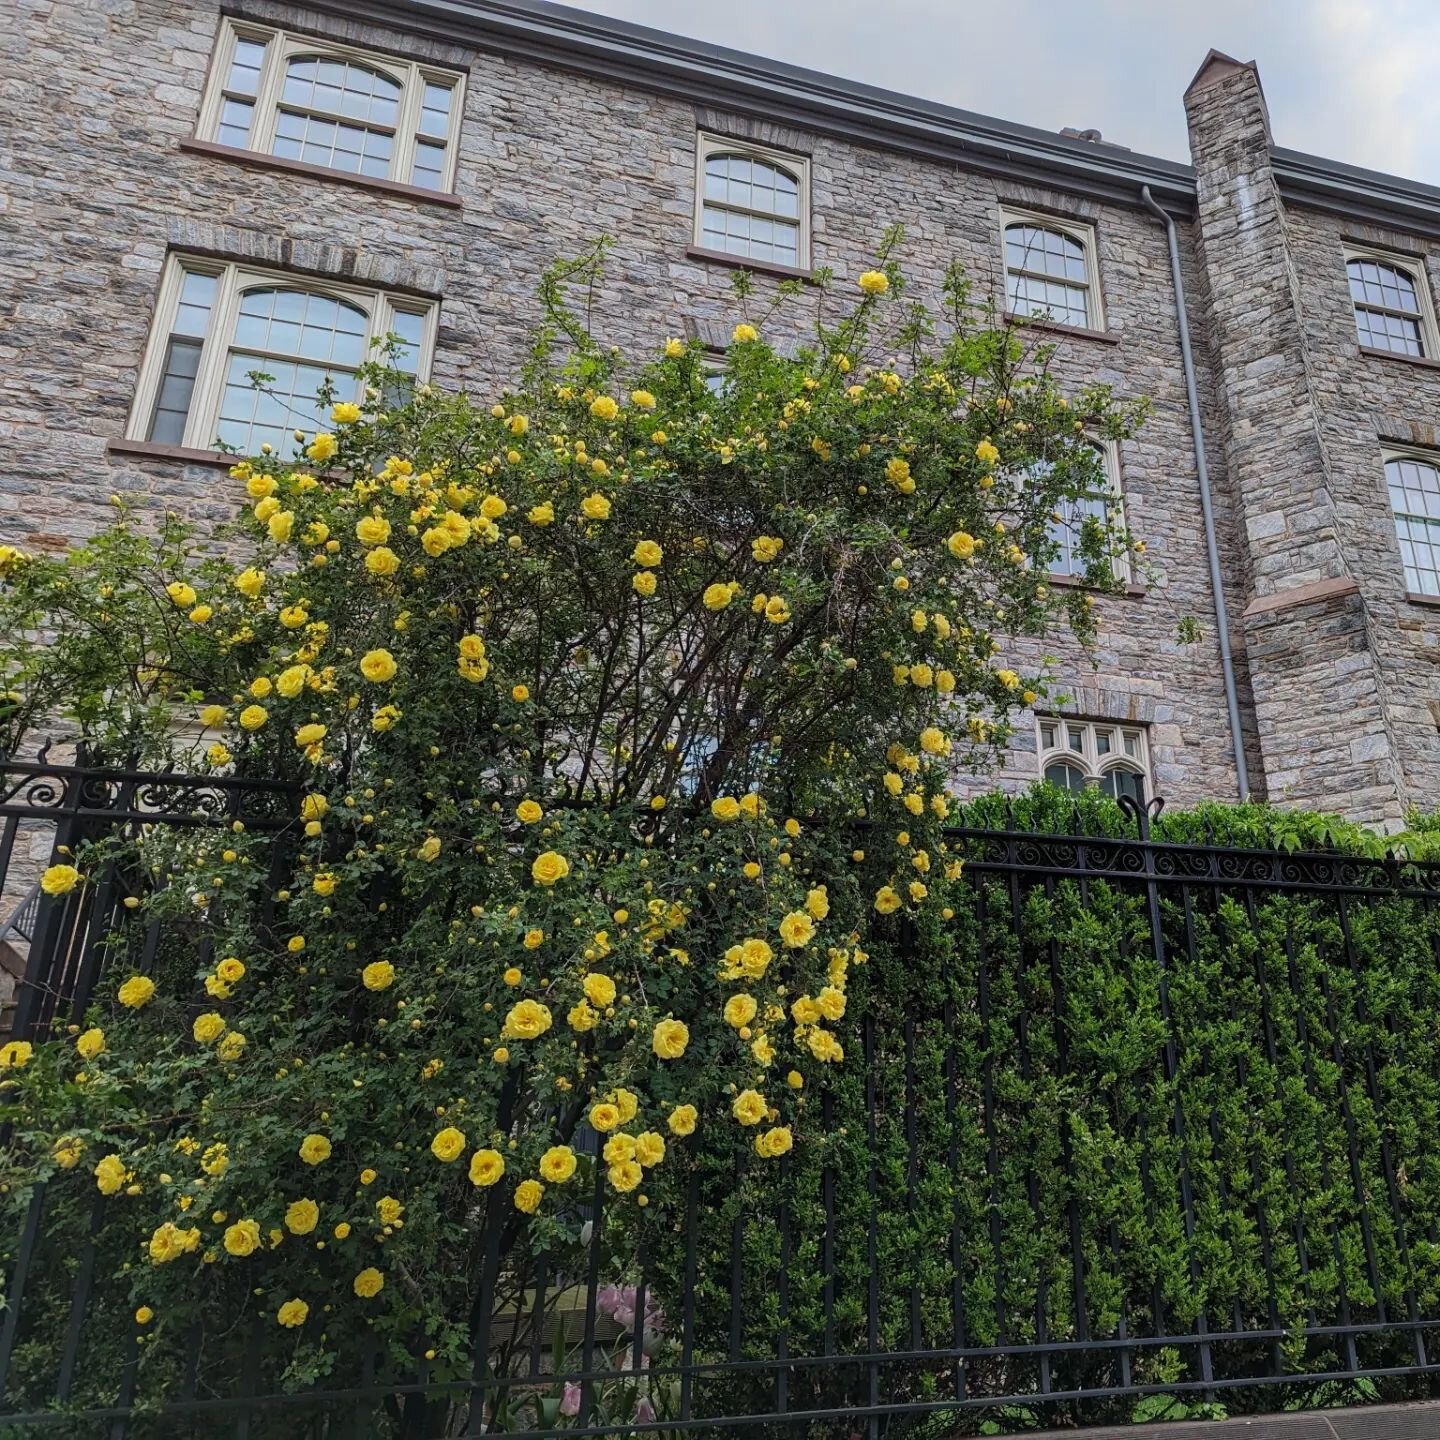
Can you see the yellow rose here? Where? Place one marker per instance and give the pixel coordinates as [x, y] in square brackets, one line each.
[15, 1054]
[67, 1152]
[253, 717]
[897, 472]
[345, 413]
[208, 1028]
[181, 594]
[604, 1116]
[873, 282]
[111, 1175]
[527, 1020]
[682, 1120]
[59, 879]
[774, 1142]
[372, 530]
[717, 596]
[886, 900]
[777, 610]
[595, 507]
[740, 1010]
[604, 408]
[306, 735]
[294, 1313]
[534, 939]
[797, 929]
[643, 583]
[725, 808]
[322, 447]
[1008, 678]
[548, 867]
[528, 1195]
[378, 666]
[314, 1149]
[986, 453]
[670, 1038]
[382, 561]
[91, 1043]
[674, 348]
[750, 1107]
[625, 1175]
[257, 487]
[448, 1144]
[647, 552]
[369, 1283]
[542, 514]
[961, 545]
[765, 548]
[138, 990]
[242, 1238]
[557, 1164]
[528, 812]
[599, 989]
[581, 1018]
[486, 1167]
[301, 1216]
[742, 334]
[281, 526]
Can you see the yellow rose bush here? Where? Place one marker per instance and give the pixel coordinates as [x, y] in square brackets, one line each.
[570, 909]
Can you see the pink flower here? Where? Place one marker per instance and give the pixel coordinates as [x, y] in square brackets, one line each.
[570, 1401]
[644, 1410]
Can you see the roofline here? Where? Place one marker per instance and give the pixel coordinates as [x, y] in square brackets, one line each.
[713, 75]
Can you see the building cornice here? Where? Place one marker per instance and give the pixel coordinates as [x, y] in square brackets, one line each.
[713, 75]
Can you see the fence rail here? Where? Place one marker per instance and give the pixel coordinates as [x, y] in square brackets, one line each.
[1188, 1092]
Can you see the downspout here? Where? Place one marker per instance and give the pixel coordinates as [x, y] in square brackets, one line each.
[1212, 554]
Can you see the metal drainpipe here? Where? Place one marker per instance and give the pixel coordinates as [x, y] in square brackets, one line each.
[1222, 618]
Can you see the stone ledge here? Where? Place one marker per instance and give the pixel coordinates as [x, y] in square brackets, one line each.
[1362, 1422]
[745, 262]
[1055, 327]
[184, 454]
[1315, 593]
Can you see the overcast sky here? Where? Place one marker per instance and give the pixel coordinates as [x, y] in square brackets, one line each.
[1351, 80]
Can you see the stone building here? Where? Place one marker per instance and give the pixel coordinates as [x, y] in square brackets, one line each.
[205, 184]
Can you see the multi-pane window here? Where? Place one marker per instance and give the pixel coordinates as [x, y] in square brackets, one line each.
[1101, 507]
[295, 98]
[1392, 310]
[1075, 754]
[1050, 270]
[239, 358]
[1415, 498]
[752, 202]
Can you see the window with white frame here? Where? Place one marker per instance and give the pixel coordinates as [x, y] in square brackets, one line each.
[1414, 483]
[329, 105]
[1103, 505]
[752, 202]
[217, 325]
[1050, 270]
[1075, 754]
[1391, 302]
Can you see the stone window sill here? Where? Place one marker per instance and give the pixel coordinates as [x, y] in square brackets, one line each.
[744, 262]
[253, 158]
[183, 454]
[1070, 582]
[1375, 353]
[1054, 327]
[1433, 601]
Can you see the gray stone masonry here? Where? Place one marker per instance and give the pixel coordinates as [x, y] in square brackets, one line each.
[98, 187]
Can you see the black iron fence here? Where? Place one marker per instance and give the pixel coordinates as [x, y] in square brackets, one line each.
[1143, 1129]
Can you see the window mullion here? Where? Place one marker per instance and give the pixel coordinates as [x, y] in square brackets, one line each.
[407, 124]
[214, 360]
[267, 96]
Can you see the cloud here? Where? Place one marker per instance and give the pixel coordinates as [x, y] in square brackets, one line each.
[1343, 78]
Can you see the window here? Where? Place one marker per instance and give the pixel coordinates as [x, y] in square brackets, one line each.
[1078, 753]
[1050, 270]
[1103, 504]
[1414, 483]
[217, 324]
[295, 98]
[1392, 304]
[752, 202]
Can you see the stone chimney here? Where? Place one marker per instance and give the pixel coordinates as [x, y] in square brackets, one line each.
[1324, 738]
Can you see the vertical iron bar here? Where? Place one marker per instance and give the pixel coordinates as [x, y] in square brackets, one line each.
[19, 1278]
[987, 1089]
[827, 1243]
[687, 1328]
[79, 1302]
[952, 1123]
[592, 1293]
[872, 1308]
[782, 1337]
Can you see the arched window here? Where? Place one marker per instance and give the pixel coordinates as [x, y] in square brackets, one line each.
[336, 108]
[752, 203]
[1414, 485]
[1103, 504]
[1391, 308]
[1050, 271]
[1075, 754]
[240, 356]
